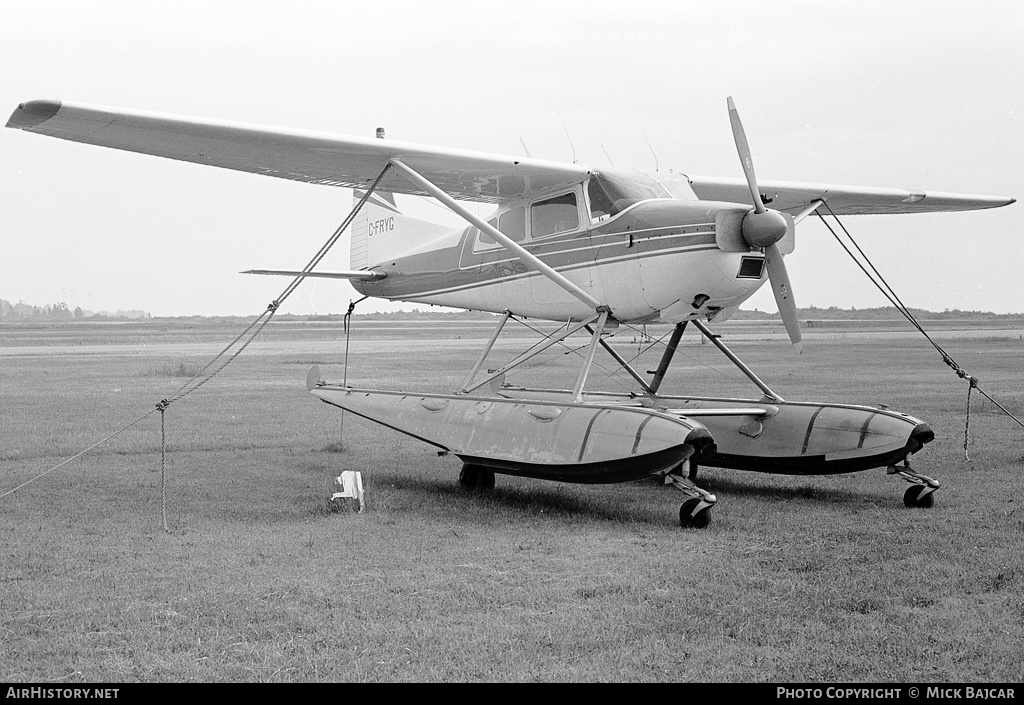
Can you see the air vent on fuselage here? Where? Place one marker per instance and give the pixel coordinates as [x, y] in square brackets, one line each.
[751, 268]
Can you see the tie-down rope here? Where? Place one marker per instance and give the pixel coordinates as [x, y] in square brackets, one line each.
[879, 281]
[217, 364]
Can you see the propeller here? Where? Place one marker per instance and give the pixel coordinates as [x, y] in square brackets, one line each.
[763, 228]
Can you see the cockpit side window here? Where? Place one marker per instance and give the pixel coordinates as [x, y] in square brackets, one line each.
[601, 206]
[610, 194]
[554, 215]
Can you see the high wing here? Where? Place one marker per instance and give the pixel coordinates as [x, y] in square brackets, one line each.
[793, 197]
[312, 157]
[353, 162]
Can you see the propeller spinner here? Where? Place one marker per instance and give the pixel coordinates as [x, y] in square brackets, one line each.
[763, 228]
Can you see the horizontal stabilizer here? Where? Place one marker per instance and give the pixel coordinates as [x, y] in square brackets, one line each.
[363, 274]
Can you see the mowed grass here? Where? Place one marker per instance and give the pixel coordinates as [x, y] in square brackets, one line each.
[261, 579]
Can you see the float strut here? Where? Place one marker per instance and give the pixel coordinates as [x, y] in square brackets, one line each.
[666, 358]
[622, 363]
[716, 340]
[536, 349]
[595, 339]
[464, 387]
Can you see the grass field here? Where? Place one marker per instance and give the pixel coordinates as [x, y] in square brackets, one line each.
[260, 579]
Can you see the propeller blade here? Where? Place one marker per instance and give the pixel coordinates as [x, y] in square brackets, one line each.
[740, 137]
[779, 279]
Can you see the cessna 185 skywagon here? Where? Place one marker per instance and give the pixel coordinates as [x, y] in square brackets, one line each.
[583, 246]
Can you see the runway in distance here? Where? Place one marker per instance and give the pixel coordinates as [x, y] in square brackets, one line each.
[588, 247]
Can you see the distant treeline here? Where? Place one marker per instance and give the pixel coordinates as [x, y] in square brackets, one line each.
[58, 312]
[884, 313]
[415, 315]
[810, 313]
[61, 312]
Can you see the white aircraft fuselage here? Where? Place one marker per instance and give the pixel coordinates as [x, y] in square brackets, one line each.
[650, 253]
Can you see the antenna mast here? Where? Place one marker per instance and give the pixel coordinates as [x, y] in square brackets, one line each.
[571, 145]
[652, 152]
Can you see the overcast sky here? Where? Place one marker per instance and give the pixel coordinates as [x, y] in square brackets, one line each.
[924, 95]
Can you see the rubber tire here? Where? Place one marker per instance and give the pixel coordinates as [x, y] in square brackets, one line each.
[912, 498]
[476, 478]
[700, 521]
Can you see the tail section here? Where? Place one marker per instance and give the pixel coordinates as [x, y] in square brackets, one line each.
[380, 231]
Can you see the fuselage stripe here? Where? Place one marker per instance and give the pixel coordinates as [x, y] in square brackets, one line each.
[658, 243]
[532, 273]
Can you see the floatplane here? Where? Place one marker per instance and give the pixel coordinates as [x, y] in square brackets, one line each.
[590, 248]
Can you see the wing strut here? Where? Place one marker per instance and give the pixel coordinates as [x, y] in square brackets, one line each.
[508, 243]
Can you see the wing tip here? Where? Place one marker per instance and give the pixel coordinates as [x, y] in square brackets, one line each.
[33, 113]
[984, 202]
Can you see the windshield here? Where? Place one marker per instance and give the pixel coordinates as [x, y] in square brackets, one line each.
[612, 192]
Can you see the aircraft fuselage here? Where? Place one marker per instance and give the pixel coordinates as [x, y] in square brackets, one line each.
[657, 257]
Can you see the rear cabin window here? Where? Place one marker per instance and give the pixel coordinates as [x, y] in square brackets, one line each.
[511, 223]
[554, 215]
